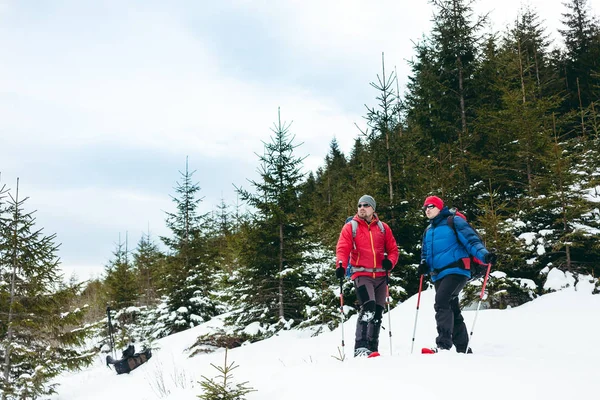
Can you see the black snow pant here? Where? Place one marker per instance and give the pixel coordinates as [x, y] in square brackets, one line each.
[451, 326]
[371, 294]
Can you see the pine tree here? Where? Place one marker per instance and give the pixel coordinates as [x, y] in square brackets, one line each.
[442, 95]
[223, 228]
[188, 266]
[581, 70]
[275, 264]
[500, 233]
[564, 213]
[383, 123]
[120, 281]
[518, 122]
[148, 264]
[224, 390]
[529, 39]
[393, 151]
[327, 196]
[361, 169]
[40, 336]
[95, 295]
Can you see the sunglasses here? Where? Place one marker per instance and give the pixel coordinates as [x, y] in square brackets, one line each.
[365, 205]
[428, 207]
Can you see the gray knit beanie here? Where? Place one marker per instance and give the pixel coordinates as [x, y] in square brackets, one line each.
[369, 200]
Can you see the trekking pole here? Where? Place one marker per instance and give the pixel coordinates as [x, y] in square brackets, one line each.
[481, 295]
[387, 300]
[416, 315]
[342, 314]
[110, 333]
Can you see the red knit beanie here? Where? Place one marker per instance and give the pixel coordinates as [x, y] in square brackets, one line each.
[436, 201]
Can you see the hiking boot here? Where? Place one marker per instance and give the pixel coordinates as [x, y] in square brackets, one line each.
[362, 352]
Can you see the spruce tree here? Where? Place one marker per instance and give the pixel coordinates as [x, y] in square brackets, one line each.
[275, 264]
[397, 181]
[327, 196]
[148, 265]
[514, 126]
[565, 214]
[383, 123]
[222, 387]
[223, 227]
[581, 72]
[361, 167]
[121, 282]
[40, 336]
[188, 268]
[442, 94]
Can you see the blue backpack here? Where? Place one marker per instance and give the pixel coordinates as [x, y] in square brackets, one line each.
[350, 220]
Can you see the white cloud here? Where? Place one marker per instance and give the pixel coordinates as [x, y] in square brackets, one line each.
[177, 79]
[174, 98]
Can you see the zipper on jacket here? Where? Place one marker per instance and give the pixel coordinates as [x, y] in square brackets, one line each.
[431, 252]
[373, 249]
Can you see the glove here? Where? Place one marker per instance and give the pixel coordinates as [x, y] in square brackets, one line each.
[490, 258]
[386, 264]
[423, 268]
[340, 272]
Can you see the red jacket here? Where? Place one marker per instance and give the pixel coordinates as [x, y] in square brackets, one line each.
[370, 243]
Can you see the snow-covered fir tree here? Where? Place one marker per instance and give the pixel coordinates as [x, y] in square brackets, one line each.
[274, 281]
[40, 335]
[188, 266]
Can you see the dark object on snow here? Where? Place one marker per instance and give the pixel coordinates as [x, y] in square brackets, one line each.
[110, 332]
[129, 351]
[130, 360]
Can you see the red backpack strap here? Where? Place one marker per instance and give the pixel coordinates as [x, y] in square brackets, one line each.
[467, 263]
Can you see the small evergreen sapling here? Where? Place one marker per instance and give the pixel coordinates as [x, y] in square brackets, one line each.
[225, 390]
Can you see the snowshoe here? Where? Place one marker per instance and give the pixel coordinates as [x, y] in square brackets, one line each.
[362, 352]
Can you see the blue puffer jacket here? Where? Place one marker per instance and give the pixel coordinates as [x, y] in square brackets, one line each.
[441, 249]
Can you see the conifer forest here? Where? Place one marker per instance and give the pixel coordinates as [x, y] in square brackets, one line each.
[505, 126]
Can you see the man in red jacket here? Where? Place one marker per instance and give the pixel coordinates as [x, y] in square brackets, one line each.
[369, 245]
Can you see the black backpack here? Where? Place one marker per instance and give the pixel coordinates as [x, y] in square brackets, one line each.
[129, 360]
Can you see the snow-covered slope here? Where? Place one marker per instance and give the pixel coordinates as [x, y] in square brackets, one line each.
[546, 349]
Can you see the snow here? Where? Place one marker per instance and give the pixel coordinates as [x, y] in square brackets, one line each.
[558, 279]
[253, 329]
[587, 229]
[545, 349]
[528, 237]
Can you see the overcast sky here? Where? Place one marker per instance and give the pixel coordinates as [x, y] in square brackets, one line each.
[101, 101]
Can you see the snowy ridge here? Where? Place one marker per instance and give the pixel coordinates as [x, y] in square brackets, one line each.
[545, 349]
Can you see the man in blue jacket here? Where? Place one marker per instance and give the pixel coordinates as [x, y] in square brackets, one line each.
[442, 257]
